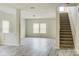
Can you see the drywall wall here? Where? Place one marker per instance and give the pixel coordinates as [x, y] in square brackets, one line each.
[41, 13]
[74, 20]
[22, 24]
[77, 30]
[45, 14]
[8, 38]
[50, 24]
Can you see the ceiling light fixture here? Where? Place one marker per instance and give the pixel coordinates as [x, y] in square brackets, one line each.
[32, 7]
[34, 15]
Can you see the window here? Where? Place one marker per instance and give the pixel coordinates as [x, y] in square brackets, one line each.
[42, 28]
[5, 26]
[39, 28]
[35, 28]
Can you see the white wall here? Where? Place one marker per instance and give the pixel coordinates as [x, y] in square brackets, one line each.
[46, 13]
[43, 13]
[77, 30]
[9, 38]
[74, 19]
[51, 28]
[22, 28]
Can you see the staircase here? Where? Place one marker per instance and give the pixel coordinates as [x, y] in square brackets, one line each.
[66, 40]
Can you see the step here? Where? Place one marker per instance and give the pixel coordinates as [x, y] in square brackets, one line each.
[65, 30]
[64, 23]
[66, 46]
[66, 39]
[65, 36]
[66, 33]
[66, 42]
[63, 16]
[64, 20]
[65, 26]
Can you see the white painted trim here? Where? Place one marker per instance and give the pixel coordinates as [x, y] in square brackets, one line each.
[57, 28]
[18, 26]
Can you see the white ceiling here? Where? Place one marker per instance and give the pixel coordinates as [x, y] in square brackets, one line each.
[31, 10]
[8, 10]
[39, 11]
[27, 5]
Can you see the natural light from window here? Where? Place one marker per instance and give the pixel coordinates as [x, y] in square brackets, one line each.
[5, 26]
[42, 28]
[36, 28]
[39, 28]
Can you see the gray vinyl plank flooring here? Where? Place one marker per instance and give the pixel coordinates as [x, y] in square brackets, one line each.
[35, 47]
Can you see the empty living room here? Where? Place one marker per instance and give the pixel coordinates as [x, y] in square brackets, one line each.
[39, 29]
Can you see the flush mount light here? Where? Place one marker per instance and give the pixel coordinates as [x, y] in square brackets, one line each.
[67, 3]
[34, 15]
[32, 7]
